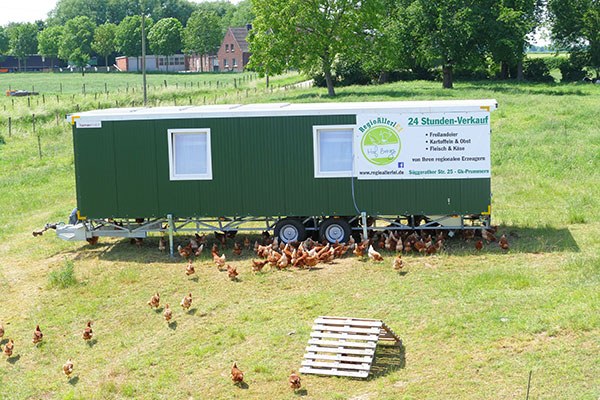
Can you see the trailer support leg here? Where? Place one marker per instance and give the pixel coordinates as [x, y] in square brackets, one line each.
[170, 219]
[364, 224]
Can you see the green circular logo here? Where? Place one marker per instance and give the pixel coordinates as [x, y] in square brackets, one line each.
[380, 145]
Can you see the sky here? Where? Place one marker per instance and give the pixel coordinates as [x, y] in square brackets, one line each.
[32, 10]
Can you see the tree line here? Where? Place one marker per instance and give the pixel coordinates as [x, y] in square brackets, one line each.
[76, 30]
[380, 38]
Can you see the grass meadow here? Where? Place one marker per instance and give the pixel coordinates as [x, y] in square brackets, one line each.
[473, 324]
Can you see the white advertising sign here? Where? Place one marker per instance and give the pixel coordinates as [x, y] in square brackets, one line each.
[423, 146]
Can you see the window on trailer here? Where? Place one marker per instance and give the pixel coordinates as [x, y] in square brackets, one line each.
[332, 149]
[189, 154]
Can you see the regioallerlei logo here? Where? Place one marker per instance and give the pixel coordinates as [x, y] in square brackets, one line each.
[380, 143]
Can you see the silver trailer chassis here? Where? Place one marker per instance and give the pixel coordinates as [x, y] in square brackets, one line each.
[132, 228]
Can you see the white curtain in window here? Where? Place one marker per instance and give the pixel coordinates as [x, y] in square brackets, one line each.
[335, 150]
[190, 153]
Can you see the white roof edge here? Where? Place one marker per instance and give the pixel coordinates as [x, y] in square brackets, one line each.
[284, 109]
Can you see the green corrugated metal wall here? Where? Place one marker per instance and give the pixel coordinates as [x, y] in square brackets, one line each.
[262, 166]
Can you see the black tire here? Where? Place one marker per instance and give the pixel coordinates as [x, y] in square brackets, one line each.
[333, 229]
[289, 230]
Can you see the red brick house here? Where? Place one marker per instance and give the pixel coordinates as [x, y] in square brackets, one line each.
[233, 55]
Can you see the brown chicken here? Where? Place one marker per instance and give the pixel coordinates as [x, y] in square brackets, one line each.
[222, 238]
[1, 330]
[399, 246]
[189, 270]
[283, 262]
[154, 301]
[139, 242]
[488, 236]
[198, 251]
[295, 381]
[360, 249]
[273, 258]
[8, 349]
[220, 261]
[431, 250]
[200, 239]
[162, 244]
[373, 255]
[187, 301]
[247, 243]
[186, 251]
[237, 249]
[232, 272]
[479, 245]
[168, 313]
[504, 243]
[93, 240]
[88, 332]
[420, 246]
[258, 265]
[237, 376]
[468, 234]
[68, 368]
[37, 335]
[398, 262]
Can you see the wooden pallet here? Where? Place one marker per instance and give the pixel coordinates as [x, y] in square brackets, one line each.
[344, 346]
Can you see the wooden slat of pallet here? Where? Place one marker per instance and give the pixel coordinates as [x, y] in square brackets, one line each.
[344, 336]
[389, 334]
[337, 350]
[336, 343]
[314, 356]
[336, 365]
[351, 322]
[333, 328]
[321, 371]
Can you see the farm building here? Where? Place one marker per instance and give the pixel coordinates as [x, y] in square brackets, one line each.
[233, 55]
[177, 62]
[328, 168]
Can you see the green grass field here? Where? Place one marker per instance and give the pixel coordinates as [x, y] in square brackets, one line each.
[473, 324]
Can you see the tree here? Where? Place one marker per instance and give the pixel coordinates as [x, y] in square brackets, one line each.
[165, 37]
[310, 34]
[49, 40]
[4, 41]
[241, 14]
[512, 22]
[76, 41]
[202, 34]
[104, 40]
[576, 26]
[129, 36]
[23, 41]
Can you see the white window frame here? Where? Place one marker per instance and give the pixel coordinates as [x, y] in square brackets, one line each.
[189, 177]
[317, 155]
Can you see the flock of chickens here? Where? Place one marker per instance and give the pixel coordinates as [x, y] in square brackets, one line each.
[306, 254]
[38, 336]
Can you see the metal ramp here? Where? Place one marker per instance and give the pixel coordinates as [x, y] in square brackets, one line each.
[344, 346]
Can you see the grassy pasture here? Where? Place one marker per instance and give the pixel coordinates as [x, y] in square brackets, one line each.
[473, 324]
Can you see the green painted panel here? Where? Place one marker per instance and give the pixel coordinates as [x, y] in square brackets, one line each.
[261, 166]
[135, 163]
[95, 172]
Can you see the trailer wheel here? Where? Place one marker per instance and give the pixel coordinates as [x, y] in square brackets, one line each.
[289, 230]
[335, 229]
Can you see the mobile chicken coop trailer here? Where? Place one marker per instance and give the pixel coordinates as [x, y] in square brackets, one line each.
[296, 169]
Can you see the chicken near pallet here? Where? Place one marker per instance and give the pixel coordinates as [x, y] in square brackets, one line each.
[294, 381]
